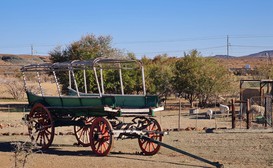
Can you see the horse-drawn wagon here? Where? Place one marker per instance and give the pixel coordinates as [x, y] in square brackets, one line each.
[96, 115]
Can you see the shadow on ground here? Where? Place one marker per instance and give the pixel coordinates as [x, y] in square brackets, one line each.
[61, 150]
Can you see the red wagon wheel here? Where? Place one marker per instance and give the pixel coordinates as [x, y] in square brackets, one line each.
[82, 132]
[101, 136]
[146, 146]
[40, 126]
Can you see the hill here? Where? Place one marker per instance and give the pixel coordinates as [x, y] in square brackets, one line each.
[262, 54]
[253, 60]
[19, 60]
[10, 63]
[265, 54]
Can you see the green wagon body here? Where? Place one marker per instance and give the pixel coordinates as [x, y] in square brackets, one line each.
[90, 106]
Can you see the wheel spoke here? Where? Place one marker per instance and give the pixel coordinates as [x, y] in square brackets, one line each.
[41, 139]
[81, 133]
[46, 135]
[105, 145]
[100, 146]
[153, 145]
[80, 128]
[146, 144]
[37, 136]
[44, 140]
[96, 142]
[150, 149]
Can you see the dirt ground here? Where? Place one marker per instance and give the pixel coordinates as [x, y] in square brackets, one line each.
[233, 148]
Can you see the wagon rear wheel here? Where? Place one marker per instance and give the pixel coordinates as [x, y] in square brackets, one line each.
[40, 126]
[82, 132]
[146, 146]
[101, 136]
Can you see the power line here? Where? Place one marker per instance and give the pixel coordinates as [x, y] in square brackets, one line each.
[39, 50]
[179, 51]
[246, 46]
[251, 36]
[171, 40]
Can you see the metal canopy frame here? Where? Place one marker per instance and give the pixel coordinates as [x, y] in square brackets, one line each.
[100, 64]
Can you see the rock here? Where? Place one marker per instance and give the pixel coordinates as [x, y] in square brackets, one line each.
[167, 129]
[209, 130]
[15, 133]
[69, 133]
[188, 129]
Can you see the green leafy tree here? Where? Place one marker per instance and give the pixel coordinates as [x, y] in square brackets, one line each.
[159, 72]
[88, 47]
[199, 78]
[264, 72]
[91, 47]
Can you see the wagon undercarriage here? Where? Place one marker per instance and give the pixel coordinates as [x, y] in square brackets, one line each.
[97, 132]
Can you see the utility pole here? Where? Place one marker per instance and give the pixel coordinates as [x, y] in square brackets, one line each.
[228, 46]
[32, 50]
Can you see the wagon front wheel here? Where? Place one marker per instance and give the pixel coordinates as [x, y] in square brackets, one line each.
[40, 126]
[148, 147]
[101, 136]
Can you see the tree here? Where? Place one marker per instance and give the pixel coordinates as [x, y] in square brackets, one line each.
[15, 88]
[91, 47]
[264, 72]
[159, 72]
[88, 47]
[196, 77]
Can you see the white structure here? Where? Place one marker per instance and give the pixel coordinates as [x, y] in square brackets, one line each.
[209, 114]
[224, 109]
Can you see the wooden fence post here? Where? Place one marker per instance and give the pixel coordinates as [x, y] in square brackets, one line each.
[233, 114]
[179, 115]
[265, 112]
[248, 122]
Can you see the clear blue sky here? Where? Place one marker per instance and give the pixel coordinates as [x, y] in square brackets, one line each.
[144, 27]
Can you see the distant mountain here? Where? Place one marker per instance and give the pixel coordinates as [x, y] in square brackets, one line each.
[264, 54]
[12, 59]
[223, 56]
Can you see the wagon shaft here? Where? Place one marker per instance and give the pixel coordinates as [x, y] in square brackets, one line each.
[216, 164]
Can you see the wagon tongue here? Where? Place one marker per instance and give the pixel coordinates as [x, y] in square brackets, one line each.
[216, 164]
